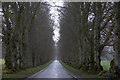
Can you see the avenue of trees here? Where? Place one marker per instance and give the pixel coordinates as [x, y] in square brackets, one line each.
[85, 29]
[27, 35]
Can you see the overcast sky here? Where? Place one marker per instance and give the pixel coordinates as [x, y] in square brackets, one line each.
[55, 18]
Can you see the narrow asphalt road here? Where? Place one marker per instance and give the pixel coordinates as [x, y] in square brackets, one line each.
[54, 70]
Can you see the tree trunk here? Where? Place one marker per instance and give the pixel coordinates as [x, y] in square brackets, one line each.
[98, 20]
[91, 56]
[117, 37]
[8, 62]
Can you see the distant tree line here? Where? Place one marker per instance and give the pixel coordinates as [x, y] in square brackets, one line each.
[27, 34]
[86, 28]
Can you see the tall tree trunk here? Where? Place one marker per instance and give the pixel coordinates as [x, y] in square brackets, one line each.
[91, 55]
[98, 20]
[117, 39]
[8, 62]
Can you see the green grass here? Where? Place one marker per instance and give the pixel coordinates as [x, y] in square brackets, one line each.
[105, 65]
[26, 73]
[82, 74]
[2, 63]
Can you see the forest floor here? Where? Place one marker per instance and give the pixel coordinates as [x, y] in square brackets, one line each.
[79, 73]
[27, 72]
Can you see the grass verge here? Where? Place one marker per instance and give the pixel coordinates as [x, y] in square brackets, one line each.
[105, 65]
[2, 63]
[27, 72]
[82, 74]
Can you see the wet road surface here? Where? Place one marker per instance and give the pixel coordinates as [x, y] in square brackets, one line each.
[54, 70]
